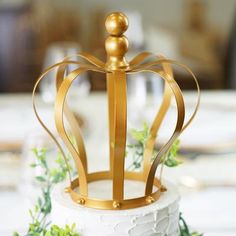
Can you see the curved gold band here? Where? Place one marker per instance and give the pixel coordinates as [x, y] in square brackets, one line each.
[113, 204]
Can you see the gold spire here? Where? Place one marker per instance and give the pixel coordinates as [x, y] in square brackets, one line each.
[116, 44]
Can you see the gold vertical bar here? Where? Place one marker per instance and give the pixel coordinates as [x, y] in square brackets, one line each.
[116, 46]
[120, 128]
[111, 114]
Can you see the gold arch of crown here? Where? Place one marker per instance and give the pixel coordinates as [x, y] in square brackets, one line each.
[116, 68]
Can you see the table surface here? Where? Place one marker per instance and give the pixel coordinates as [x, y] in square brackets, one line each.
[210, 209]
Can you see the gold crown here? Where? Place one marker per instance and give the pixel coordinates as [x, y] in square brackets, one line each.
[116, 68]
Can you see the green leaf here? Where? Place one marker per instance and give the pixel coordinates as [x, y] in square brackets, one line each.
[73, 226]
[40, 178]
[36, 208]
[196, 234]
[33, 165]
[40, 202]
[58, 231]
[184, 229]
[170, 159]
[140, 135]
[137, 135]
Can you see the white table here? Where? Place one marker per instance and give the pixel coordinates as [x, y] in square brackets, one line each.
[211, 210]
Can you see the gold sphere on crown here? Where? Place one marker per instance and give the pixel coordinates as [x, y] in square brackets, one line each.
[116, 46]
[116, 24]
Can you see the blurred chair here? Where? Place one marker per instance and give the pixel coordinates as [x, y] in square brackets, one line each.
[26, 30]
[230, 62]
[202, 45]
[16, 41]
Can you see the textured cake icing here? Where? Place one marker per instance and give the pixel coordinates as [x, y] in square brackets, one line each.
[159, 219]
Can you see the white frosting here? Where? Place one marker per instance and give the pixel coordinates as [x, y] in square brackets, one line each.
[159, 219]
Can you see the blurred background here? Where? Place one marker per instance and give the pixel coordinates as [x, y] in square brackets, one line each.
[35, 34]
[201, 33]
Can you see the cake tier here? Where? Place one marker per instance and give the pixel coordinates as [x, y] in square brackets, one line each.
[159, 218]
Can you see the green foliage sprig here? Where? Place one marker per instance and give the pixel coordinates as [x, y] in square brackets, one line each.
[137, 149]
[57, 231]
[184, 229]
[39, 225]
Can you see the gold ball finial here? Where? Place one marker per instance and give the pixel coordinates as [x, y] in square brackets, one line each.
[116, 24]
[116, 44]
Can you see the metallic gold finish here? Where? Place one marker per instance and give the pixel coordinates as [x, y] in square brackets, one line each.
[108, 204]
[116, 44]
[67, 190]
[150, 199]
[116, 23]
[81, 201]
[163, 188]
[116, 69]
[116, 205]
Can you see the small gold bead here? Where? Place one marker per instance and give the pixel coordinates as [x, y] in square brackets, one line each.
[67, 190]
[150, 199]
[163, 188]
[116, 46]
[116, 205]
[116, 24]
[81, 201]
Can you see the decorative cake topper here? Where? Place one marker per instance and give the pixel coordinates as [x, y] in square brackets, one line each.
[116, 68]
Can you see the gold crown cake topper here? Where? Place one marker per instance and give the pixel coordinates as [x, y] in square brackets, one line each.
[116, 69]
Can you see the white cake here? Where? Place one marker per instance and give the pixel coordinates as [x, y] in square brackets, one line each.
[159, 219]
